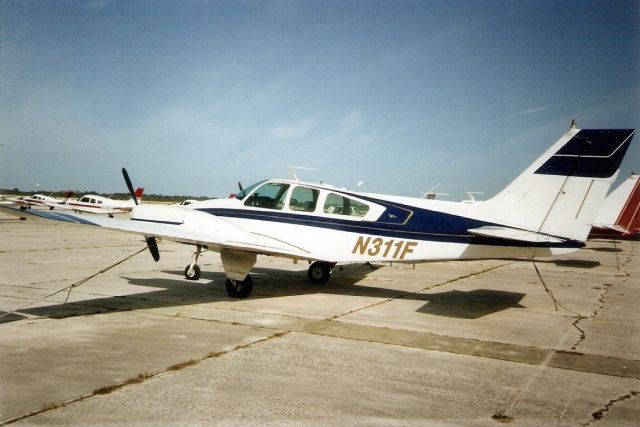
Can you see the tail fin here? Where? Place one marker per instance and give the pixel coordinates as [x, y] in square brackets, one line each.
[629, 217]
[621, 206]
[138, 193]
[67, 196]
[561, 193]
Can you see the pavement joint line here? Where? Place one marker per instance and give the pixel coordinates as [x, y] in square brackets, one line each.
[560, 359]
[139, 379]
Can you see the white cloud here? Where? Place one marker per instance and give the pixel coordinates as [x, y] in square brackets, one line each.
[531, 111]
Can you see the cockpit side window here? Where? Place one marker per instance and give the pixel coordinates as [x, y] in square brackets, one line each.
[340, 205]
[270, 196]
[85, 199]
[303, 199]
[242, 194]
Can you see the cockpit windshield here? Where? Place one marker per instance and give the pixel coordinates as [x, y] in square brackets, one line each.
[241, 195]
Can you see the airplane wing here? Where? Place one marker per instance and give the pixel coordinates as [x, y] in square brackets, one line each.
[509, 233]
[86, 209]
[180, 225]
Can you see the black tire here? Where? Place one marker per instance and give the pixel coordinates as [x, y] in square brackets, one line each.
[192, 275]
[319, 272]
[239, 288]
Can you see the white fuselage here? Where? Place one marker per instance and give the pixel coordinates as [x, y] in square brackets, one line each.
[392, 228]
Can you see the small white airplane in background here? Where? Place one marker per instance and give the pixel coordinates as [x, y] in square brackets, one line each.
[39, 200]
[187, 202]
[92, 203]
[619, 216]
[548, 210]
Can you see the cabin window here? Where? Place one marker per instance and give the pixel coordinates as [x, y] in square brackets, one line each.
[270, 196]
[303, 199]
[340, 205]
[85, 200]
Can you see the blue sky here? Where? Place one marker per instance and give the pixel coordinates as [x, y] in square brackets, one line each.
[193, 96]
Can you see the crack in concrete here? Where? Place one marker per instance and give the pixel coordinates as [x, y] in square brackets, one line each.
[140, 378]
[600, 413]
[602, 299]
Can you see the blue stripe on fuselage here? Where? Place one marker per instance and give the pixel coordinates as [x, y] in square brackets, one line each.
[423, 224]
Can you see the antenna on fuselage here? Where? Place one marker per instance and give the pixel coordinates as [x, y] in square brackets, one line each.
[292, 171]
[431, 193]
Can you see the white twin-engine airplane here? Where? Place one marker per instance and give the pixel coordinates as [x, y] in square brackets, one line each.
[92, 203]
[547, 210]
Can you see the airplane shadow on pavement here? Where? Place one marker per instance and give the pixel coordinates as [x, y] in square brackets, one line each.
[272, 283]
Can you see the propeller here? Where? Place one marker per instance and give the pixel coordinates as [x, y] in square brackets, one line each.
[152, 243]
[240, 186]
[127, 180]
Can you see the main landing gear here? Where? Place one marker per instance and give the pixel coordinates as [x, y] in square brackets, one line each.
[239, 288]
[238, 264]
[320, 272]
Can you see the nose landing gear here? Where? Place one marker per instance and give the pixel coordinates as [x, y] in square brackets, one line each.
[192, 271]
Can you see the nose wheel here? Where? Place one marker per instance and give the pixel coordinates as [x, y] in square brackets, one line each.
[192, 271]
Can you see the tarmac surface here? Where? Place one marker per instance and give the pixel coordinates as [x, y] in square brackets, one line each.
[476, 343]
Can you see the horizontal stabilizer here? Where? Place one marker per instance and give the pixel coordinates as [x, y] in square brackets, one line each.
[614, 227]
[509, 233]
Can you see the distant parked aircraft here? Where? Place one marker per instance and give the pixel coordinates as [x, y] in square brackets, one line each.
[39, 200]
[620, 214]
[92, 203]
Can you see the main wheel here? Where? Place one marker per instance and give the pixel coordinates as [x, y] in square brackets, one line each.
[239, 288]
[192, 273]
[319, 272]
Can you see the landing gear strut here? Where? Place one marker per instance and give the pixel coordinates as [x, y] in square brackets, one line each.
[192, 271]
[320, 272]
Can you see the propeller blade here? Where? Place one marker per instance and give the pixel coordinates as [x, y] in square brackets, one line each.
[127, 180]
[152, 244]
[240, 186]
